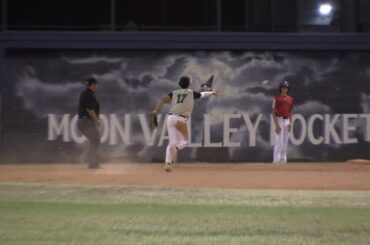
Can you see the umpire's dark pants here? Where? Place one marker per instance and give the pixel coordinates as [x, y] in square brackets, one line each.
[88, 128]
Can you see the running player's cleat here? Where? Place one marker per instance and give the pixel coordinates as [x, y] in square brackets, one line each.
[168, 167]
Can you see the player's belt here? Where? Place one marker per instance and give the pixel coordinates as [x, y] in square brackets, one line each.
[284, 117]
[177, 115]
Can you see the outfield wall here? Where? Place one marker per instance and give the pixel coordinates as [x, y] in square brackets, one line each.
[40, 89]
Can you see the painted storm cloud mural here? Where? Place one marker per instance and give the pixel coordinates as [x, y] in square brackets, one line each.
[331, 115]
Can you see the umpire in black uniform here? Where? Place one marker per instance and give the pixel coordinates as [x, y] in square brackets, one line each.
[88, 121]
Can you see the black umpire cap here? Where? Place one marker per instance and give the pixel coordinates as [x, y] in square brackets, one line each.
[90, 81]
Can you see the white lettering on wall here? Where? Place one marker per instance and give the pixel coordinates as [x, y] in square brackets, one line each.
[75, 133]
[310, 130]
[104, 128]
[227, 130]
[149, 135]
[191, 143]
[56, 128]
[252, 128]
[348, 128]
[316, 129]
[330, 131]
[207, 133]
[300, 137]
[117, 130]
[367, 126]
[163, 135]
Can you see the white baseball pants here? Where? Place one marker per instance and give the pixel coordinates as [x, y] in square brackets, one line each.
[281, 141]
[175, 138]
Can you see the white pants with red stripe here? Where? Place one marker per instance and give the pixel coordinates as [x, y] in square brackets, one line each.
[175, 137]
[281, 141]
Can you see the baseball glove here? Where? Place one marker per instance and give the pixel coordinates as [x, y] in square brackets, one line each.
[207, 86]
[153, 120]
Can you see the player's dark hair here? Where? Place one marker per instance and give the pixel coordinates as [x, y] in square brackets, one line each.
[90, 81]
[184, 82]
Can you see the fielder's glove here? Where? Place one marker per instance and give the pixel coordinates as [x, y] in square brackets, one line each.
[207, 86]
[153, 120]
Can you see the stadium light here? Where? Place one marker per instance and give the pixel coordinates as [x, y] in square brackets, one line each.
[325, 9]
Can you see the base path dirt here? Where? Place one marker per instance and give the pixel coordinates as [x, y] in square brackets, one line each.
[306, 176]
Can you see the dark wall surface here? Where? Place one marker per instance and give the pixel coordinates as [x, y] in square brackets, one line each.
[40, 92]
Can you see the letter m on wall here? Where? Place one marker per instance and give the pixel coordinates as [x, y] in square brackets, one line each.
[56, 128]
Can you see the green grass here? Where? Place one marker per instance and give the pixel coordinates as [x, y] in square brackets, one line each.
[71, 214]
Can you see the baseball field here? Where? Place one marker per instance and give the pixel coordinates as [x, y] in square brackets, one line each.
[197, 203]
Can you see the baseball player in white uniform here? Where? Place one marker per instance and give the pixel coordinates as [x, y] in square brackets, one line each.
[282, 113]
[182, 103]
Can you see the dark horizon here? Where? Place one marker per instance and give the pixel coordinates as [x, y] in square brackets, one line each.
[184, 15]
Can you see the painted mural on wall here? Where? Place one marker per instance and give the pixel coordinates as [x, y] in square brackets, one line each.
[331, 119]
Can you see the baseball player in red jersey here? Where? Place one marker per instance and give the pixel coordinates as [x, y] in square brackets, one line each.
[282, 113]
[182, 103]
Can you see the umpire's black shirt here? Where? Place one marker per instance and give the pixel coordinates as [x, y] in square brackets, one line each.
[89, 101]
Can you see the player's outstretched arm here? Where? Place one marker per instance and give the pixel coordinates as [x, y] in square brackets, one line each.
[208, 94]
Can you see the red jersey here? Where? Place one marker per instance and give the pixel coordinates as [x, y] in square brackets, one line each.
[283, 105]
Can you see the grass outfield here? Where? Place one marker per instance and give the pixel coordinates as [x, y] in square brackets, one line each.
[76, 214]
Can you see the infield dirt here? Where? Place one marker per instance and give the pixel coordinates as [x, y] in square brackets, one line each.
[352, 175]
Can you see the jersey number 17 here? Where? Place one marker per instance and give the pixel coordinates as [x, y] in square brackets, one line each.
[181, 98]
